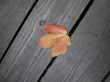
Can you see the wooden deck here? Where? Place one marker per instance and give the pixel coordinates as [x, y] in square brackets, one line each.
[86, 60]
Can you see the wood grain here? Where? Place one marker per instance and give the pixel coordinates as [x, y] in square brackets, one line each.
[26, 61]
[87, 59]
[12, 13]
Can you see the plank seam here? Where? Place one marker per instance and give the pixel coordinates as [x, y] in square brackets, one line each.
[18, 30]
[70, 34]
[106, 76]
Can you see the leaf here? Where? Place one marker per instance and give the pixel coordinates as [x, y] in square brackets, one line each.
[60, 45]
[56, 38]
[55, 29]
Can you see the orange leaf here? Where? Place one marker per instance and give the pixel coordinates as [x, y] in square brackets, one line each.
[50, 28]
[60, 45]
[56, 38]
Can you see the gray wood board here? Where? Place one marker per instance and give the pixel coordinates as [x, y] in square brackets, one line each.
[26, 61]
[12, 13]
[88, 58]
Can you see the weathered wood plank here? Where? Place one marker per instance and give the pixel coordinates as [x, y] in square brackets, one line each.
[26, 61]
[12, 13]
[88, 57]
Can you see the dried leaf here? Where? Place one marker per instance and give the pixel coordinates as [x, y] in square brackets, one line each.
[56, 38]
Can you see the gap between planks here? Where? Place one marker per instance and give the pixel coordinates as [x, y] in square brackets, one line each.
[106, 76]
[18, 30]
[70, 33]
